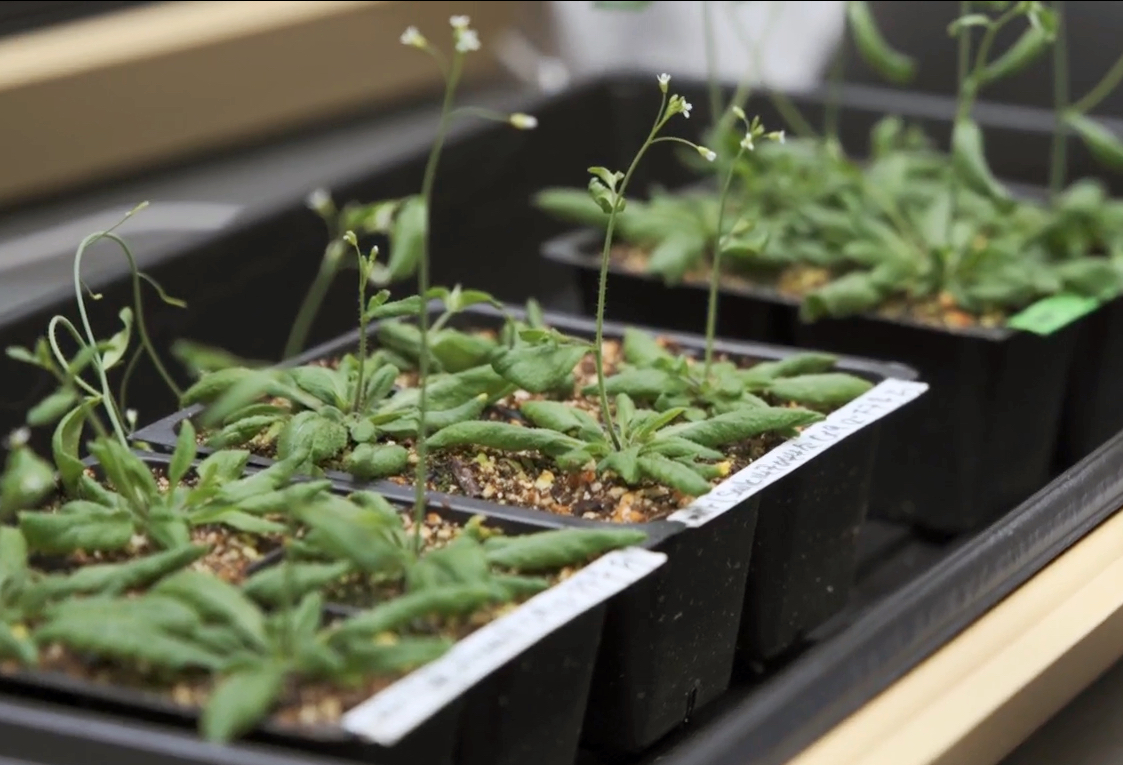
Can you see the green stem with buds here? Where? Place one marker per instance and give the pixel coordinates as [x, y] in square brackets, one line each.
[422, 476]
[1058, 159]
[602, 287]
[715, 269]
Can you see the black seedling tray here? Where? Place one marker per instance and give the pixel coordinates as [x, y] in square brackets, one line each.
[533, 704]
[799, 575]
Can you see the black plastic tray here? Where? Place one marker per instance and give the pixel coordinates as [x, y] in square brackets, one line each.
[799, 571]
[532, 705]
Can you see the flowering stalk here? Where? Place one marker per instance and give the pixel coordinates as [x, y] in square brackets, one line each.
[608, 191]
[753, 131]
[465, 40]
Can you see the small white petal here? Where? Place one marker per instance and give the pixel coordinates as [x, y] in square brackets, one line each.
[523, 121]
[412, 37]
[467, 40]
[738, 112]
[747, 142]
[709, 155]
[459, 22]
[664, 81]
[20, 436]
[686, 107]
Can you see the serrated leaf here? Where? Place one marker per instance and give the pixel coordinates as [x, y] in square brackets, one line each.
[369, 461]
[78, 525]
[673, 474]
[242, 431]
[241, 700]
[539, 368]
[501, 435]
[398, 613]
[268, 585]
[457, 351]
[829, 390]
[742, 424]
[114, 578]
[313, 434]
[218, 601]
[624, 463]
[554, 415]
[557, 549]
[223, 466]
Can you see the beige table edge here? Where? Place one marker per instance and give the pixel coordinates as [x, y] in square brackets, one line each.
[122, 91]
[982, 694]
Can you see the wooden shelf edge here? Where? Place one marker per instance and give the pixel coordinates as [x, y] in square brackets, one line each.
[137, 87]
[983, 693]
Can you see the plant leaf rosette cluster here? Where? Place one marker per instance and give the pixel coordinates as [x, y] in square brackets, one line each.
[510, 410]
[912, 232]
[115, 568]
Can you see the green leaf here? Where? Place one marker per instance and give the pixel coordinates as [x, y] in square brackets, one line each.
[449, 391]
[675, 255]
[118, 345]
[17, 645]
[539, 368]
[557, 549]
[398, 613]
[114, 578]
[216, 600]
[52, 407]
[242, 431]
[200, 359]
[213, 384]
[742, 424]
[268, 586]
[312, 433]
[1050, 314]
[969, 20]
[848, 295]
[407, 240]
[235, 519]
[126, 472]
[241, 700]
[504, 436]
[65, 443]
[399, 657]
[286, 499]
[223, 466]
[1029, 46]
[644, 383]
[1091, 276]
[111, 633]
[624, 463]
[13, 561]
[457, 351]
[829, 390]
[889, 63]
[571, 205]
[674, 474]
[563, 418]
[325, 384]
[461, 562]
[643, 350]
[519, 587]
[355, 534]
[1104, 145]
[78, 525]
[184, 455]
[969, 160]
[26, 481]
[409, 306]
[369, 461]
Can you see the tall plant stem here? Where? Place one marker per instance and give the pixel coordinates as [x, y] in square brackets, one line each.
[711, 63]
[1059, 159]
[364, 277]
[602, 287]
[1102, 89]
[715, 269]
[301, 326]
[963, 64]
[422, 477]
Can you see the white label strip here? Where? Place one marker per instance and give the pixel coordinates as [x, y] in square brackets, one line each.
[391, 714]
[872, 405]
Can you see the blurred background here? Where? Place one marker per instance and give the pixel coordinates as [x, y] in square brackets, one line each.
[226, 114]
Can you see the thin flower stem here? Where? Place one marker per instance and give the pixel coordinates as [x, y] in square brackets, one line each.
[364, 277]
[1103, 88]
[715, 269]
[422, 477]
[676, 139]
[329, 266]
[481, 112]
[602, 289]
[981, 56]
[711, 63]
[1059, 158]
[961, 80]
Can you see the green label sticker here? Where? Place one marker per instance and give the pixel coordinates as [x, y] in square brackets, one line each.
[1049, 314]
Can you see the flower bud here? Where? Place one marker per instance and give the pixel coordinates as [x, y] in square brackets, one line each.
[523, 121]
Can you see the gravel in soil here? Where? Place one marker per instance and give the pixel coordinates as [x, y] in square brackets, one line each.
[797, 280]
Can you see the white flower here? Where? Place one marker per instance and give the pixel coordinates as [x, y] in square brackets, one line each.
[664, 81]
[738, 112]
[747, 142]
[319, 201]
[523, 121]
[350, 238]
[708, 155]
[686, 107]
[777, 136]
[467, 40]
[413, 38]
[459, 22]
[19, 437]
